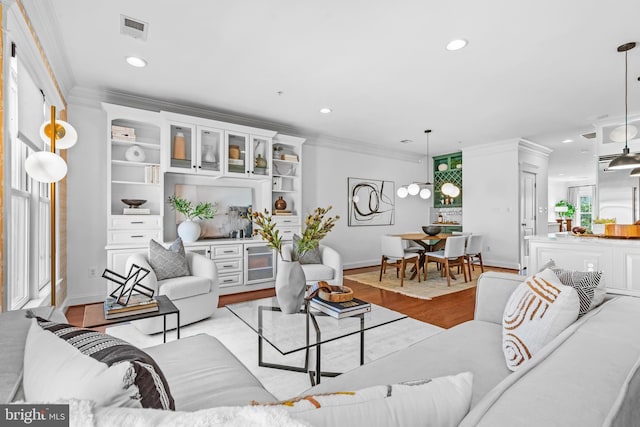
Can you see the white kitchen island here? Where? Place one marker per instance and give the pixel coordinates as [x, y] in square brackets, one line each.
[618, 259]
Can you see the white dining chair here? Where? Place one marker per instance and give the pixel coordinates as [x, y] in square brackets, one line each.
[452, 255]
[473, 252]
[395, 254]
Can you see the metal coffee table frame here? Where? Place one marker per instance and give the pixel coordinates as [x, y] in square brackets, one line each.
[315, 374]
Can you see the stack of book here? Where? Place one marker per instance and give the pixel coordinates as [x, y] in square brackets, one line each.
[282, 212]
[138, 304]
[340, 310]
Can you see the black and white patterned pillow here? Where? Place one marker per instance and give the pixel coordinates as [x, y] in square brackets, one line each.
[586, 283]
[112, 371]
[168, 263]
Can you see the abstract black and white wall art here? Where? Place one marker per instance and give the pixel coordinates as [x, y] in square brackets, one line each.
[371, 202]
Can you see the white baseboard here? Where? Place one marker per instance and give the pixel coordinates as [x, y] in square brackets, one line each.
[360, 264]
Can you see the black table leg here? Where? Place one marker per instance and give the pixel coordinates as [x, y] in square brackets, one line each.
[164, 328]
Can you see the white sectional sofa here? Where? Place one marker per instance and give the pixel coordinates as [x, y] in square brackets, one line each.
[586, 376]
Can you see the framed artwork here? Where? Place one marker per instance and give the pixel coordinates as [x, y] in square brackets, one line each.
[371, 202]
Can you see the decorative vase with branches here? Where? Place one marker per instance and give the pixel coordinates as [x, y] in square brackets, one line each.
[290, 278]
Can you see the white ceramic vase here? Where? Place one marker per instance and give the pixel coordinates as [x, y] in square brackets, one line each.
[290, 286]
[189, 231]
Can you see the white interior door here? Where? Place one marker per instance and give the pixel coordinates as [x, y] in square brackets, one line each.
[527, 213]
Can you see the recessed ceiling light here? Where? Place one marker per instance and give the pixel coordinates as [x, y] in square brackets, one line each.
[135, 61]
[456, 44]
[566, 141]
[325, 110]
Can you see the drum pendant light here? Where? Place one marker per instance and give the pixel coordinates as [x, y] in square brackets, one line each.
[626, 160]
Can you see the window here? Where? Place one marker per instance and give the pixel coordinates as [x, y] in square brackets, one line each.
[28, 235]
[582, 198]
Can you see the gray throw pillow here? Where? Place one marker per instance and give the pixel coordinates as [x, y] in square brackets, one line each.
[168, 263]
[310, 257]
[587, 284]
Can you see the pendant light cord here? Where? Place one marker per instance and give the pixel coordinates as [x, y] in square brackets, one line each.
[626, 103]
[428, 131]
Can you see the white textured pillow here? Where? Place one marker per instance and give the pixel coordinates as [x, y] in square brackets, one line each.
[441, 402]
[538, 310]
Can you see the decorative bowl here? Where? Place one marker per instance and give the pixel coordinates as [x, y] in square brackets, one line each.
[431, 230]
[133, 203]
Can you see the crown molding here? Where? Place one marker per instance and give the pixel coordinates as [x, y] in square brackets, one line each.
[534, 148]
[45, 24]
[92, 98]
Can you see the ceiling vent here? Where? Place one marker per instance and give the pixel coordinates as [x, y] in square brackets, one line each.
[590, 135]
[133, 27]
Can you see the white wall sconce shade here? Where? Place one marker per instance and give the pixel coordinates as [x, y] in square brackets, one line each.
[425, 193]
[66, 135]
[44, 166]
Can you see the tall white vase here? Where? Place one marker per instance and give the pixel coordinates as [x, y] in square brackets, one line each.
[189, 231]
[290, 286]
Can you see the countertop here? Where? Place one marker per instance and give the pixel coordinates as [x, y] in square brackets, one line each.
[571, 239]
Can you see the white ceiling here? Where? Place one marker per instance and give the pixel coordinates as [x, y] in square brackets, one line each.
[536, 69]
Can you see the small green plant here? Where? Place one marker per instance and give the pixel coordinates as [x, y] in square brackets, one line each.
[203, 210]
[570, 209]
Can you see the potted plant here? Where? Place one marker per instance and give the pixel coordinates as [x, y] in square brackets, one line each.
[568, 213]
[189, 230]
[290, 279]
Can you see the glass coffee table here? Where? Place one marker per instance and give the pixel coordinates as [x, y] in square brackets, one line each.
[306, 331]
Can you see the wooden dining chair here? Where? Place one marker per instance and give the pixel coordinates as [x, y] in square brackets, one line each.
[452, 255]
[473, 252]
[395, 254]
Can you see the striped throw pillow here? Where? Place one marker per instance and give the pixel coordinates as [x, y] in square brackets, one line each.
[538, 310]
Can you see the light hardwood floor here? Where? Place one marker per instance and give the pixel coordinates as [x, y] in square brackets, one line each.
[445, 311]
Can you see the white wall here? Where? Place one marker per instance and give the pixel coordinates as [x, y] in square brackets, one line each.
[490, 200]
[325, 183]
[86, 205]
[558, 190]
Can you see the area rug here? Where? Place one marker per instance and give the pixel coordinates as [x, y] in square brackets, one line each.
[338, 356]
[435, 285]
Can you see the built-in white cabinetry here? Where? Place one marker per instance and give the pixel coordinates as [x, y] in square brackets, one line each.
[133, 173]
[248, 156]
[239, 263]
[287, 184]
[149, 151]
[194, 149]
[201, 146]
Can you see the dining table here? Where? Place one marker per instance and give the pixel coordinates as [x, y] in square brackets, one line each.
[435, 243]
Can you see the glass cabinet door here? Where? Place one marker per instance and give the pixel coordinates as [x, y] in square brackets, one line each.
[209, 151]
[237, 153]
[260, 263]
[261, 152]
[181, 154]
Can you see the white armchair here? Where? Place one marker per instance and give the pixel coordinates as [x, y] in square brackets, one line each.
[196, 296]
[330, 270]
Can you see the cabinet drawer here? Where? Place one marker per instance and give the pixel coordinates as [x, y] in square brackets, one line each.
[231, 279]
[288, 232]
[226, 251]
[286, 219]
[229, 265]
[133, 236]
[134, 221]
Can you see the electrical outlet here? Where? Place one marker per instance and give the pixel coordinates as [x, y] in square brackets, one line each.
[93, 272]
